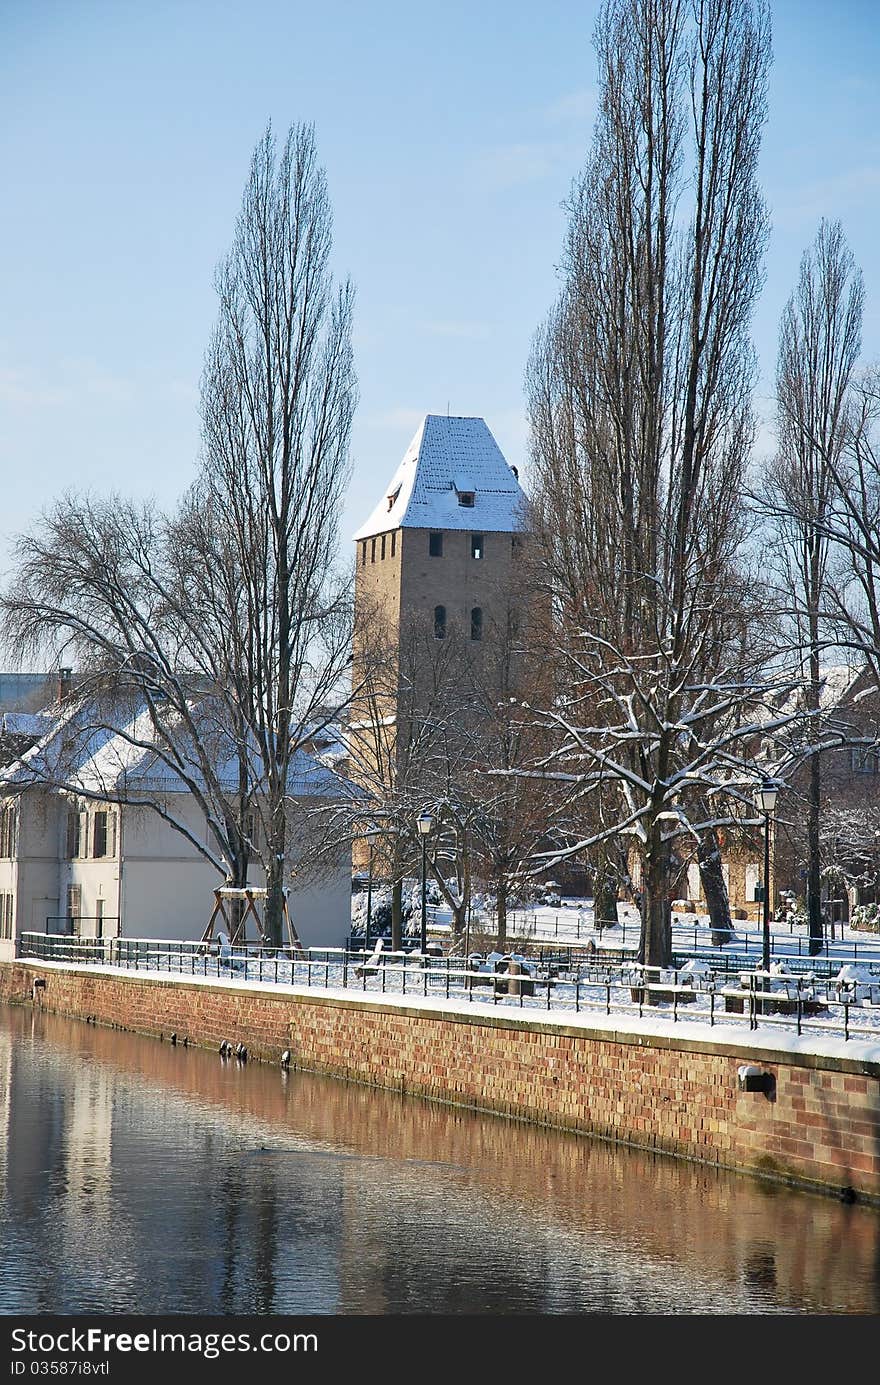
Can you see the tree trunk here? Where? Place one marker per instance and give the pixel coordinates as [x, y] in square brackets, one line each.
[814, 863]
[714, 888]
[655, 943]
[396, 912]
[274, 913]
[606, 893]
[501, 912]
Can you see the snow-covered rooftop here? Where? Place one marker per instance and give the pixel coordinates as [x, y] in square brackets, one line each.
[81, 752]
[453, 476]
[25, 724]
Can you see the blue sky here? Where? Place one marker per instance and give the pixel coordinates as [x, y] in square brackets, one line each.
[450, 134]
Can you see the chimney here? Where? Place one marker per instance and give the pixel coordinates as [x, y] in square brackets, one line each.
[65, 682]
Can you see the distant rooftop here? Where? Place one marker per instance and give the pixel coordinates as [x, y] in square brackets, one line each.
[453, 476]
[26, 692]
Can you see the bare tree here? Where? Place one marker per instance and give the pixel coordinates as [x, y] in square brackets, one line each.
[403, 742]
[820, 339]
[278, 398]
[852, 525]
[227, 623]
[640, 386]
[95, 585]
[515, 813]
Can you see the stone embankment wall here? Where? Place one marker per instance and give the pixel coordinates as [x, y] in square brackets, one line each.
[819, 1125]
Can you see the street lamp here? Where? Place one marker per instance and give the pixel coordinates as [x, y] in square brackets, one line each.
[765, 800]
[424, 822]
[371, 834]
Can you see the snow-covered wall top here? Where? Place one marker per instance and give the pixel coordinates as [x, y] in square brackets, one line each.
[453, 476]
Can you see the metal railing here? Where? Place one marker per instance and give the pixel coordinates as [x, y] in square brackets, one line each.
[572, 981]
[70, 925]
[527, 926]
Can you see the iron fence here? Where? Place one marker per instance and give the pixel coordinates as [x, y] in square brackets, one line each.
[567, 980]
[526, 926]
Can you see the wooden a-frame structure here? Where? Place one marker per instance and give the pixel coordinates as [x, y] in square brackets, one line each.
[251, 896]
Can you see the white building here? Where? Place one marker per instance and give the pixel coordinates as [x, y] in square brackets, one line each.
[102, 862]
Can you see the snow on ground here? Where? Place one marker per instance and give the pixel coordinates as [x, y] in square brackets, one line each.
[571, 922]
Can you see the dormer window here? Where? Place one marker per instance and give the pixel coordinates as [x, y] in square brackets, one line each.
[393, 497]
[464, 489]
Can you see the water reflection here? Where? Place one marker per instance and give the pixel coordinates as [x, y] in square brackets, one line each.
[136, 1177]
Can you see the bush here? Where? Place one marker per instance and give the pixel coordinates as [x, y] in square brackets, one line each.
[866, 917]
[791, 910]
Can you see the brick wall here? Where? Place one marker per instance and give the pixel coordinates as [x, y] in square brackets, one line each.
[820, 1127]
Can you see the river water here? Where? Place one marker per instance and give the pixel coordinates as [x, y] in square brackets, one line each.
[141, 1178]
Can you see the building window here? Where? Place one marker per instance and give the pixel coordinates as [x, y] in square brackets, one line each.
[74, 822]
[392, 497]
[7, 915]
[466, 498]
[99, 835]
[435, 545]
[477, 545]
[514, 542]
[372, 550]
[439, 622]
[7, 831]
[383, 548]
[477, 623]
[364, 553]
[104, 834]
[864, 761]
[74, 908]
[393, 541]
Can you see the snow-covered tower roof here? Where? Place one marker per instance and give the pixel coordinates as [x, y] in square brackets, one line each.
[453, 476]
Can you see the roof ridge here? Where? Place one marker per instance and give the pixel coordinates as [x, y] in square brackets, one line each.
[422, 493]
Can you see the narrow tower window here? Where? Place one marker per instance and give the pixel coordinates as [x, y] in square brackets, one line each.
[477, 545]
[477, 623]
[435, 545]
[439, 622]
[372, 550]
[383, 548]
[393, 541]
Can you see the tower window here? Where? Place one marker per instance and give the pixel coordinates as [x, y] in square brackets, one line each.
[435, 545]
[439, 622]
[364, 553]
[477, 545]
[477, 623]
[393, 541]
[383, 548]
[372, 550]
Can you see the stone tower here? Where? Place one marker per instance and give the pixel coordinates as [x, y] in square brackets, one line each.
[438, 552]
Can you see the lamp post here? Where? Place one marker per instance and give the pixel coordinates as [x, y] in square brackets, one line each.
[424, 822]
[765, 800]
[371, 834]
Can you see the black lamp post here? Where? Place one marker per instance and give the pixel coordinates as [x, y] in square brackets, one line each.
[424, 822]
[371, 835]
[765, 800]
